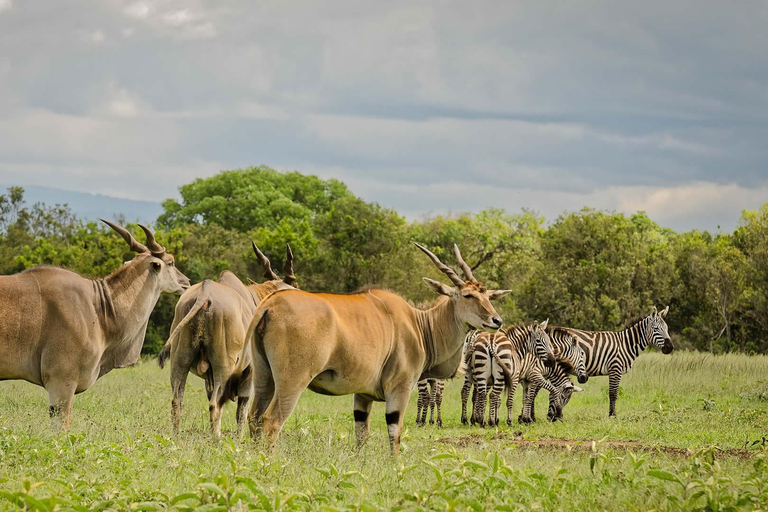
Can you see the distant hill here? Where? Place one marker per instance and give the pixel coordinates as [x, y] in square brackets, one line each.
[92, 206]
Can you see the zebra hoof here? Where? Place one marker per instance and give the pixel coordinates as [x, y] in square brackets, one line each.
[439, 424]
[464, 421]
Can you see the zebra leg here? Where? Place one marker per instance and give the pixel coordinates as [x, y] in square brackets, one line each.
[478, 415]
[496, 391]
[432, 391]
[464, 397]
[614, 378]
[524, 418]
[510, 399]
[439, 385]
[421, 411]
[554, 395]
[529, 395]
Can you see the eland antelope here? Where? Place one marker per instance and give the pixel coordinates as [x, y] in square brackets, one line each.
[62, 331]
[372, 344]
[208, 331]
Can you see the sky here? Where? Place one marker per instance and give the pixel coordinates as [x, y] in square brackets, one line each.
[424, 107]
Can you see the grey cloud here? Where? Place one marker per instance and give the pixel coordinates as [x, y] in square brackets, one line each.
[138, 97]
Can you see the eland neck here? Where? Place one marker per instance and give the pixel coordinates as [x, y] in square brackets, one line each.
[127, 298]
[442, 334]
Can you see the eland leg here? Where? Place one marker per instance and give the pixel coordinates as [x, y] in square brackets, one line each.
[61, 395]
[181, 362]
[362, 412]
[242, 404]
[263, 392]
[396, 403]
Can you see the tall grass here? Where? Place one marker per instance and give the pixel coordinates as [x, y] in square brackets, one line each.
[688, 422]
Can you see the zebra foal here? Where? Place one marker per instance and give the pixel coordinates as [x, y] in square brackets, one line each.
[570, 360]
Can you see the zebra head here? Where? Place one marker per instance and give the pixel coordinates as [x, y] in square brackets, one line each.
[577, 359]
[555, 411]
[541, 344]
[656, 330]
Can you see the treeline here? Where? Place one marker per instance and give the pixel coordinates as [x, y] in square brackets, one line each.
[588, 269]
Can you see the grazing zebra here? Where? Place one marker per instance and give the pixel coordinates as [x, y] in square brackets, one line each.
[430, 398]
[570, 359]
[496, 359]
[612, 353]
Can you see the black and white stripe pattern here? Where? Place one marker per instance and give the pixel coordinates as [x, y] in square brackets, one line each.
[612, 353]
[570, 360]
[496, 360]
[430, 398]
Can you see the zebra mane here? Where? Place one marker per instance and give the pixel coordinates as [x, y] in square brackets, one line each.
[517, 334]
[634, 321]
[558, 331]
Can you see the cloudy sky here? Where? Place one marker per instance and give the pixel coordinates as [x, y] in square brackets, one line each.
[424, 107]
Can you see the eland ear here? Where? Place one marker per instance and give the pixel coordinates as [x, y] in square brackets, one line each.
[442, 289]
[497, 294]
[663, 312]
[577, 389]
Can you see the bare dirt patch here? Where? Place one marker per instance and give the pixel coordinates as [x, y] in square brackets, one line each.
[583, 445]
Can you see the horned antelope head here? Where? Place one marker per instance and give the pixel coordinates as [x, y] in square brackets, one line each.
[471, 298]
[159, 263]
[656, 330]
[289, 281]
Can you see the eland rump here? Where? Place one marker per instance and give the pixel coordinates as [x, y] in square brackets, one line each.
[371, 343]
[208, 333]
[63, 331]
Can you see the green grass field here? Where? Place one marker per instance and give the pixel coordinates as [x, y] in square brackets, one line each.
[689, 435]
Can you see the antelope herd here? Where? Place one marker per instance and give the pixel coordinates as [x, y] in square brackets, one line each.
[266, 343]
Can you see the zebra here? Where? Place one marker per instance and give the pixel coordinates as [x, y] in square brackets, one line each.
[612, 353]
[570, 359]
[466, 364]
[495, 359]
[430, 399]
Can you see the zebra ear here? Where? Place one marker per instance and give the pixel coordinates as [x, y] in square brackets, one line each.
[654, 312]
[544, 324]
[577, 389]
[663, 312]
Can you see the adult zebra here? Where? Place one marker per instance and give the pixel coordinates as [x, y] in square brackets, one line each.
[496, 359]
[612, 353]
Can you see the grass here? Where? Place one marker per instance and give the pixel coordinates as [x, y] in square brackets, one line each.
[689, 435]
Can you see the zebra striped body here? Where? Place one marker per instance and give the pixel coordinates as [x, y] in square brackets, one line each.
[612, 353]
[430, 399]
[570, 359]
[497, 359]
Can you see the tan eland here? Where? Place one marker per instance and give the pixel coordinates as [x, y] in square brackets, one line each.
[63, 331]
[371, 343]
[208, 332]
